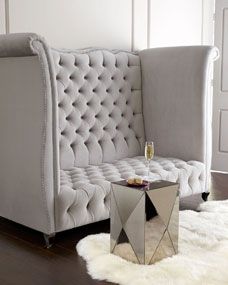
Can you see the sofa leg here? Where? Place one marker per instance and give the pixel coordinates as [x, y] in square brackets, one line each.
[205, 196]
[49, 240]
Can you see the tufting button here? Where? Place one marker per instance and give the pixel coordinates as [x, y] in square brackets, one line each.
[122, 115]
[72, 145]
[74, 104]
[107, 90]
[63, 133]
[86, 77]
[127, 102]
[114, 103]
[68, 118]
[99, 77]
[80, 90]
[71, 77]
[57, 77]
[120, 90]
[112, 78]
[102, 103]
[124, 78]
[94, 90]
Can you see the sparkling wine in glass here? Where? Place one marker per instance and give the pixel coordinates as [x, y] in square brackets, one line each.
[149, 154]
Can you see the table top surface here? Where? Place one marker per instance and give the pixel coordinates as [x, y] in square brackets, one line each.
[153, 185]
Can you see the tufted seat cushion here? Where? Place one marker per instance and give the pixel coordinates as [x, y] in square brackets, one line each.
[85, 192]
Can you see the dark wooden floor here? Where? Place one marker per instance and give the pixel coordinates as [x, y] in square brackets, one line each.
[25, 261]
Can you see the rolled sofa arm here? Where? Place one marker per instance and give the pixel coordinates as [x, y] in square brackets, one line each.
[18, 45]
[176, 100]
[27, 125]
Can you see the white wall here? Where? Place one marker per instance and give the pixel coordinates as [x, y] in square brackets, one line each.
[75, 23]
[2, 16]
[126, 24]
[140, 24]
[175, 22]
[208, 22]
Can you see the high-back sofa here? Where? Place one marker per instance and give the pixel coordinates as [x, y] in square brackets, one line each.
[72, 121]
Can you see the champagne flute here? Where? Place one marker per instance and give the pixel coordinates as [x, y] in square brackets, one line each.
[149, 154]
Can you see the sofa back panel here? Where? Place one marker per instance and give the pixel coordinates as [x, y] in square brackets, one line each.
[100, 106]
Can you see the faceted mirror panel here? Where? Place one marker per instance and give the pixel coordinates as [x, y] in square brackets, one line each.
[164, 249]
[134, 228]
[124, 249]
[154, 229]
[116, 225]
[163, 200]
[126, 198]
[151, 211]
[173, 227]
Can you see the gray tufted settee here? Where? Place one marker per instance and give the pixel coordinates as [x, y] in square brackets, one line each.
[72, 121]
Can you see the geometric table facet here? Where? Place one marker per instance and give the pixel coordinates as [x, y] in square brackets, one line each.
[144, 221]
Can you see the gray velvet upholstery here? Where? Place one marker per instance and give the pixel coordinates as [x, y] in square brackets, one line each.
[100, 106]
[19, 45]
[85, 191]
[178, 114]
[73, 121]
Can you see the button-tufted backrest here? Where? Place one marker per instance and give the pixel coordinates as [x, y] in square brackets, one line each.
[100, 106]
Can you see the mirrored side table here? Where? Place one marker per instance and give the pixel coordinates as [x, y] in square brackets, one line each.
[144, 221]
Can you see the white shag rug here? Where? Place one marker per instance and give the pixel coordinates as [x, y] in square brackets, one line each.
[202, 257]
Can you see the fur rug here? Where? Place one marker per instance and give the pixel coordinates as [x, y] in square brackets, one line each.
[202, 257]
